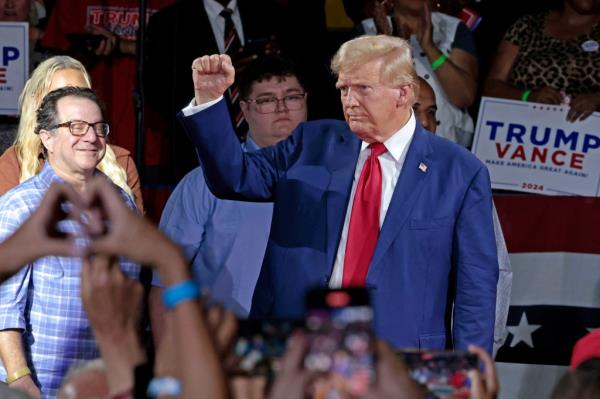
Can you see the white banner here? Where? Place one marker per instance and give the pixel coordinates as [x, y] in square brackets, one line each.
[531, 147]
[14, 64]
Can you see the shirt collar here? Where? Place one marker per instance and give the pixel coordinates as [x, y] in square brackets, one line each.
[397, 143]
[48, 176]
[250, 145]
[213, 8]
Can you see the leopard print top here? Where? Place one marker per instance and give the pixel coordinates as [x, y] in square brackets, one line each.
[547, 61]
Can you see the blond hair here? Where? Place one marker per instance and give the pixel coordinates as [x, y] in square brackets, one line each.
[28, 145]
[398, 68]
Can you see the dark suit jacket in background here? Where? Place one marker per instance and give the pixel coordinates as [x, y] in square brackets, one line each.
[176, 36]
[436, 247]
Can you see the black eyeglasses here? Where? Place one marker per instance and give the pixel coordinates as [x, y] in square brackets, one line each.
[267, 105]
[80, 128]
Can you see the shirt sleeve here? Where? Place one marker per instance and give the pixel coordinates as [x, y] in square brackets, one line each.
[463, 39]
[186, 214]
[193, 108]
[517, 32]
[14, 291]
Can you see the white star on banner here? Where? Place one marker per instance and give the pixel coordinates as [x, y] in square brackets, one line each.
[522, 332]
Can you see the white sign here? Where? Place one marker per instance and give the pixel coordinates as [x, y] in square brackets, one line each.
[14, 64]
[531, 147]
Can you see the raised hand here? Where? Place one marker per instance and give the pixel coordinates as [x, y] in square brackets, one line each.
[108, 44]
[380, 17]
[425, 29]
[117, 231]
[486, 386]
[393, 380]
[41, 229]
[292, 379]
[113, 305]
[212, 75]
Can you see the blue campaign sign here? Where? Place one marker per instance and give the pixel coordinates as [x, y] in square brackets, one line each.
[533, 148]
[14, 64]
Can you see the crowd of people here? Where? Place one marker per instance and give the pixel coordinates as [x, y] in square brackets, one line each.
[269, 200]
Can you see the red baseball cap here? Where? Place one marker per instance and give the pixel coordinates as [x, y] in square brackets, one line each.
[586, 348]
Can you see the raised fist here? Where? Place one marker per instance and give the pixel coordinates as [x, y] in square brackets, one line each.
[212, 75]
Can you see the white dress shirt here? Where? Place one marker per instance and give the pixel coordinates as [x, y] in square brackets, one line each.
[391, 165]
[217, 22]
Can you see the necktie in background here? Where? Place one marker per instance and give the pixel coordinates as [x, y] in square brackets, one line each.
[232, 47]
[363, 230]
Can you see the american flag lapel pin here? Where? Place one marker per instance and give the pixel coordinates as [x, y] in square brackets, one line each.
[422, 167]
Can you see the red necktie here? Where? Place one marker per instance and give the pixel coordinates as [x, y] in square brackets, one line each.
[363, 230]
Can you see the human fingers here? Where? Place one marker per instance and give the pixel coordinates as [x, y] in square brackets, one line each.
[60, 202]
[226, 331]
[292, 359]
[579, 110]
[214, 316]
[546, 95]
[489, 371]
[200, 64]
[111, 223]
[214, 63]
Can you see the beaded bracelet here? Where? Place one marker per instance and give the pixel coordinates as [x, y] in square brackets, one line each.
[184, 291]
[439, 62]
[164, 386]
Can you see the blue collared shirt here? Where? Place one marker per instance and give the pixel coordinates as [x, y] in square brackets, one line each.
[43, 298]
[224, 240]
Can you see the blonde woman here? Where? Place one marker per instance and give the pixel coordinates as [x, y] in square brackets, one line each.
[25, 158]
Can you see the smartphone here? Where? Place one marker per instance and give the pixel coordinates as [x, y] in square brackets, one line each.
[258, 346]
[443, 373]
[338, 325]
[86, 42]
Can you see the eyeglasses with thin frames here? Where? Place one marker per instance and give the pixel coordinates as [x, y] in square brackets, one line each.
[79, 128]
[267, 105]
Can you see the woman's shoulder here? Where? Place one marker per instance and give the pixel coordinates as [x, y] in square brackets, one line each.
[9, 157]
[10, 170]
[525, 28]
[120, 151]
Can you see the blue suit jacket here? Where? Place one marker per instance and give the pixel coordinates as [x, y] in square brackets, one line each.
[436, 247]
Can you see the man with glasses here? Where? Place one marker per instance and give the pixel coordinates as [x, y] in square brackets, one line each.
[225, 240]
[43, 327]
[375, 202]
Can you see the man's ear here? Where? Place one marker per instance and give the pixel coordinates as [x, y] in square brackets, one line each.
[47, 139]
[405, 94]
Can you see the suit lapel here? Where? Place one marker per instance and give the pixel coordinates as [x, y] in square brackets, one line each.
[341, 166]
[406, 193]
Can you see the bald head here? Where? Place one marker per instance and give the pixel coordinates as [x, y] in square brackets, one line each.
[425, 107]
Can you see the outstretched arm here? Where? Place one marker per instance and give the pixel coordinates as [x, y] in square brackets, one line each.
[229, 172]
[40, 228]
[119, 231]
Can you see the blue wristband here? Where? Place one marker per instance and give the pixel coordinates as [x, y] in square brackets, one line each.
[184, 291]
[164, 386]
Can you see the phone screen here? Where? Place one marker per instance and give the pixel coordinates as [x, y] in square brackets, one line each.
[444, 373]
[259, 343]
[340, 342]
